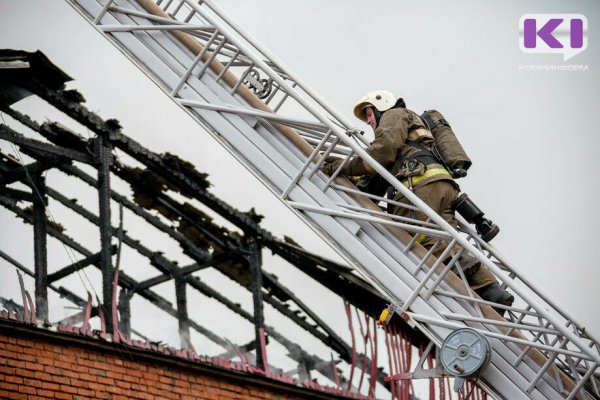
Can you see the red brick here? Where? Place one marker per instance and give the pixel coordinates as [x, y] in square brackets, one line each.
[25, 342]
[183, 383]
[84, 392]
[27, 389]
[150, 377]
[61, 379]
[31, 351]
[114, 389]
[106, 381]
[34, 383]
[63, 364]
[14, 379]
[123, 384]
[21, 396]
[24, 372]
[14, 348]
[34, 366]
[7, 370]
[94, 386]
[97, 372]
[68, 389]
[27, 357]
[4, 353]
[10, 387]
[63, 396]
[53, 370]
[71, 374]
[114, 370]
[45, 361]
[43, 376]
[45, 393]
[50, 386]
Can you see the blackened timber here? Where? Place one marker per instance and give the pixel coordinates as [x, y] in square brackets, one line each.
[181, 177]
[183, 271]
[11, 135]
[40, 253]
[220, 242]
[72, 297]
[76, 266]
[170, 268]
[188, 180]
[168, 271]
[161, 263]
[185, 243]
[53, 131]
[17, 194]
[189, 184]
[20, 173]
[124, 306]
[124, 280]
[63, 292]
[254, 260]
[245, 348]
[281, 292]
[17, 264]
[104, 157]
[273, 287]
[182, 314]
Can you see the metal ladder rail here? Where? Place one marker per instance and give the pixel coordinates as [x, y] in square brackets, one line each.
[559, 311]
[586, 368]
[111, 28]
[240, 31]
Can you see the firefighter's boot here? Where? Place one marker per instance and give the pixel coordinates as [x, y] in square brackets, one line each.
[495, 294]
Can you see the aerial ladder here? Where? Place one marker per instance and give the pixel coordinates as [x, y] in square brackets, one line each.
[281, 130]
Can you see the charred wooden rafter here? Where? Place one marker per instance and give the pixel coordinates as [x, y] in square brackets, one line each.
[235, 255]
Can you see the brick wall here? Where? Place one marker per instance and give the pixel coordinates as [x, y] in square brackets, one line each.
[40, 364]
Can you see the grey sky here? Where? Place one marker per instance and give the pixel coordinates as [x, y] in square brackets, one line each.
[531, 134]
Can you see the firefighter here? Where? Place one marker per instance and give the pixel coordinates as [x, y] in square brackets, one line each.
[403, 146]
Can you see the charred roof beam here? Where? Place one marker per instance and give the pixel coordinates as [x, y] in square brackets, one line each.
[212, 261]
[18, 195]
[168, 267]
[138, 147]
[124, 280]
[76, 266]
[188, 184]
[8, 134]
[330, 338]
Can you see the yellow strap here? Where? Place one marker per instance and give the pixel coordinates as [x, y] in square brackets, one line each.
[428, 174]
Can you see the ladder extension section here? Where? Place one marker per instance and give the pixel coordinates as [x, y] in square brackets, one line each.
[281, 130]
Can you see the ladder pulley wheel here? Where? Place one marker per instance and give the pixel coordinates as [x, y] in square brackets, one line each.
[465, 353]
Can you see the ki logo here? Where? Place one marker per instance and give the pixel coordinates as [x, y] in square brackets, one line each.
[553, 33]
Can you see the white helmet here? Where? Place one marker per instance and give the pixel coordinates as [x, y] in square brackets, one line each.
[382, 100]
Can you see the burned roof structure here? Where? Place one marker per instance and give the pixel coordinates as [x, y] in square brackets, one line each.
[170, 196]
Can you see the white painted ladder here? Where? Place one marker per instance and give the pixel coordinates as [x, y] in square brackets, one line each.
[216, 72]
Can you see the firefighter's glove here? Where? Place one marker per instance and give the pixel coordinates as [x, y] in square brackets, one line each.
[330, 165]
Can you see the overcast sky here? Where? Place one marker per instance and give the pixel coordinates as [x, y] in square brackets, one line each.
[532, 135]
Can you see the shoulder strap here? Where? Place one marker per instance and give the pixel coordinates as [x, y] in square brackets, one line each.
[426, 116]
